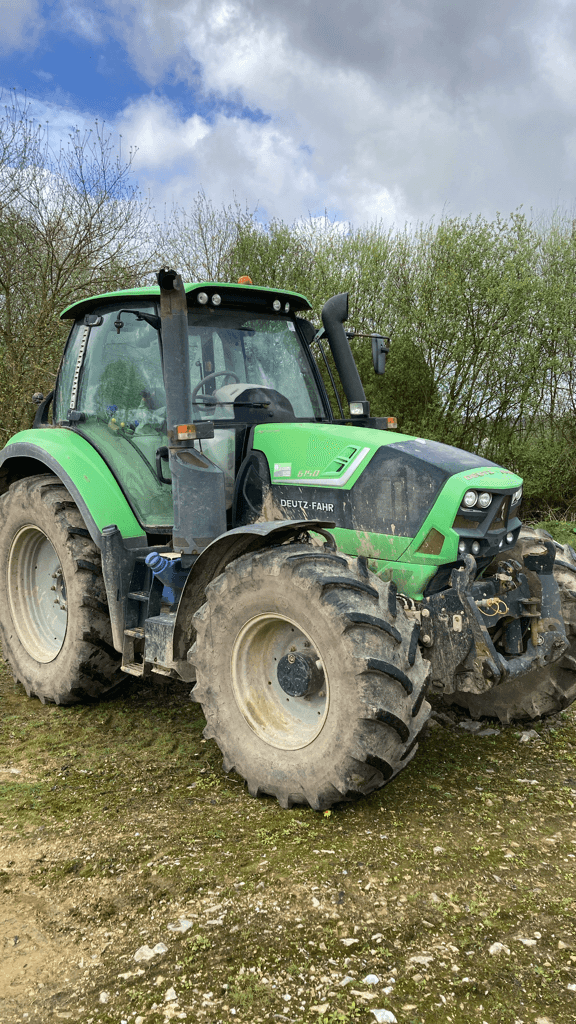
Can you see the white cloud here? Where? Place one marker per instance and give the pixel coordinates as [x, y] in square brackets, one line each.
[21, 24]
[395, 111]
[163, 140]
[254, 161]
[558, 59]
[82, 19]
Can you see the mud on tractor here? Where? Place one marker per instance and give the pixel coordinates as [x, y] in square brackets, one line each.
[194, 509]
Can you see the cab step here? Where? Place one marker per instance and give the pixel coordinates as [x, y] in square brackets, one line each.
[132, 637]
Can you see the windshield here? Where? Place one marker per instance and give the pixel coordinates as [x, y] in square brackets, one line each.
[228, 349]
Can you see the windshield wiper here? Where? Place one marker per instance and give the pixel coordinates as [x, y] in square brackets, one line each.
[253, 405]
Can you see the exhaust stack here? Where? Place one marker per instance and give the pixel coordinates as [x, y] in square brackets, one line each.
[334, 313]
[198, 493]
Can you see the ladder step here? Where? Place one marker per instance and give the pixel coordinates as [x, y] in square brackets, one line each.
[137, 631]
[139, 595]
[133, 670]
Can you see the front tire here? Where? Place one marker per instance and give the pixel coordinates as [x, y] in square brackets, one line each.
[359, 724]
[54, 623]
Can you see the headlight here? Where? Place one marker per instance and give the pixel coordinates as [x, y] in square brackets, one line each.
[516, 496]
[202, 298]
[469, 499]
[276, 305]
[484, 499]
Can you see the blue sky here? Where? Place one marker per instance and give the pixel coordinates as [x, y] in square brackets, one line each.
[98, 77]
[369, 110]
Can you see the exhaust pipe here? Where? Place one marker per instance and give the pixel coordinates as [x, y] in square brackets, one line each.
[198, 492]
[334, 313]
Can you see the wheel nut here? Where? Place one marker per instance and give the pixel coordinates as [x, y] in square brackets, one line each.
[291, 659]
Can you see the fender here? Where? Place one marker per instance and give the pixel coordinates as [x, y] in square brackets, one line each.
[83, 472]
[214, 559]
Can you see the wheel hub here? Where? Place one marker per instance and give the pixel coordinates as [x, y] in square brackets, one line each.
[299, 674]
[279, 682]
[37, 594]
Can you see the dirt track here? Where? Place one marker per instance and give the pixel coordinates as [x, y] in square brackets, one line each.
[118, 830]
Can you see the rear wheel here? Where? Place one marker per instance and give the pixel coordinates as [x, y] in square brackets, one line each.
[544, 691]
[54, 622]
[309, 675]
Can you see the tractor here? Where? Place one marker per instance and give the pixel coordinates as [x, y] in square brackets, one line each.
[192, 507]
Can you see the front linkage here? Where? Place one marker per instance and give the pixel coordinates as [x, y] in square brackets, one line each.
[479, 634]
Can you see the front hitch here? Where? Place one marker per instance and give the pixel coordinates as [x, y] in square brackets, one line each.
[477, 634]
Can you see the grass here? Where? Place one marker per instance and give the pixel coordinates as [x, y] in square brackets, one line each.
[120, 822]
[562, 530]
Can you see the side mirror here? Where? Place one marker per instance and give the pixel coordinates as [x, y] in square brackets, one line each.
[379, 352]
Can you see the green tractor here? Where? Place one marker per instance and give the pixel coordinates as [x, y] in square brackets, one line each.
[195, 510]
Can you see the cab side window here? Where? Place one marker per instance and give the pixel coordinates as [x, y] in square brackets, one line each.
[122, 375]
[121, 395]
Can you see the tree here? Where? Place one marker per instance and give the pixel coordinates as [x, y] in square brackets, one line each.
[72, 223]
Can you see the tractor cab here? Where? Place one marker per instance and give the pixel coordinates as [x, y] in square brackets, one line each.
[248, 363]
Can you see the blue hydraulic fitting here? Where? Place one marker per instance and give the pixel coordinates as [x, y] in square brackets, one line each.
[170, 572]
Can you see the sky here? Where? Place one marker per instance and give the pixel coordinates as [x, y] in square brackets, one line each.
[390, 110]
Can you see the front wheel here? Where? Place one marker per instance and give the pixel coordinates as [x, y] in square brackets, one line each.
[54, 623]
[309, 675]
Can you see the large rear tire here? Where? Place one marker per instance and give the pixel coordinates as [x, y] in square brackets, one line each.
[544, 691]
[358, 725]
[54, 623]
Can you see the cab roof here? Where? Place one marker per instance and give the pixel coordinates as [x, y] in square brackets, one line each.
[248, 296]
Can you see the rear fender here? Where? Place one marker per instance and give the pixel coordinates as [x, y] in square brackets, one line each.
[83, 472]
[219, 554]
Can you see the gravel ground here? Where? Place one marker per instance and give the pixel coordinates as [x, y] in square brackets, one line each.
[140, 884]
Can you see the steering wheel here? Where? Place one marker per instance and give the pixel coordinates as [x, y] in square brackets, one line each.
[212, 376]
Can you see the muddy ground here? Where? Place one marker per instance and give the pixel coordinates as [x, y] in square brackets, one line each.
[453, 887]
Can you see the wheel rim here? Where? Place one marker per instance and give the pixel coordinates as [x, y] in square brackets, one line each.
[37, 594]
[285, 722]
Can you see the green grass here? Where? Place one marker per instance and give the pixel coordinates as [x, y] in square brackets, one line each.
[561, 530]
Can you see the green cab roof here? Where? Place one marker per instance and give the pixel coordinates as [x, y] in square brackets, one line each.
[237, 294]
